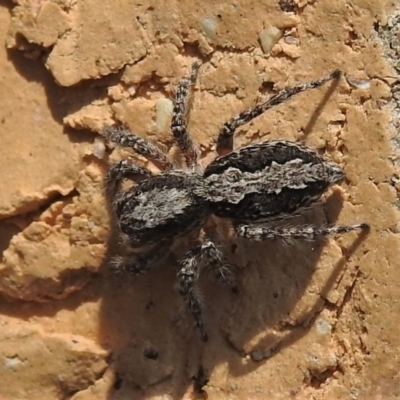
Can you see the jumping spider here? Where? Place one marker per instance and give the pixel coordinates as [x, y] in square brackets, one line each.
[255, 187]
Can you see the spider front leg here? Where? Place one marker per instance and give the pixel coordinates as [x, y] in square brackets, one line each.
[130, 263]
[307, 232]
[226, 134]
[125, 138]
[124, 169]
[189, 273]
[179, 116]
[134, 264]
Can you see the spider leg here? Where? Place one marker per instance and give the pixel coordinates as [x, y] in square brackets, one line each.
[125, 138]
[124, 169]
[134, 264]
[189, 273]
[179, 115]
[228, 129]
[219, 265]
[308, 232]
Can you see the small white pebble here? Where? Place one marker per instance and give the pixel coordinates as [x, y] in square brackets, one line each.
[11, 362]
[99, 148]
[291, 40]
[269, 37]
[160, 397]
[132, 91]
[323, 327]
[209, 26]
[363, 84]
[258, 355]
[164, 108]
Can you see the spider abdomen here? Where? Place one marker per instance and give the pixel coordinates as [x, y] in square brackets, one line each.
[266, 180]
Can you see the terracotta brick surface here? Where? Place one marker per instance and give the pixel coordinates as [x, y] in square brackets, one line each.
[313, 320]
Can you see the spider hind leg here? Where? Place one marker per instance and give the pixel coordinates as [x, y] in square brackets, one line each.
[307, 232]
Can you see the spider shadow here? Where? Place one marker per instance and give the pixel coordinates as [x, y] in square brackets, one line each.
[154, 343]
[331, 88]
[137, 319]
[140, 320]
[269, 313]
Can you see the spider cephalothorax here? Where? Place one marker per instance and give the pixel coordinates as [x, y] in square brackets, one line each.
[255, 187]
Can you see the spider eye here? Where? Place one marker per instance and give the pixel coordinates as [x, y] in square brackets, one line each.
[138, 193]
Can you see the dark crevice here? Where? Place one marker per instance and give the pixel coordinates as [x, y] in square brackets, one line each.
[151, 353]
[200, 380]
[287, 5]
[13, 225]
[347, 295]
[317, 379]
[117, 382]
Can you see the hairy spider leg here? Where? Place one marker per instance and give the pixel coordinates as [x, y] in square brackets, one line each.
[307, 232]
[124, 169]
[189, 273]
[131, 262]
[228, 129]
[125, 138]
[179, 116]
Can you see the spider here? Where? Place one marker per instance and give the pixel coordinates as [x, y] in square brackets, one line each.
[254, 187]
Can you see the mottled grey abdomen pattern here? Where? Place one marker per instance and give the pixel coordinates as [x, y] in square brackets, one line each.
[265, 180]
[254, 157]
[259, 206]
